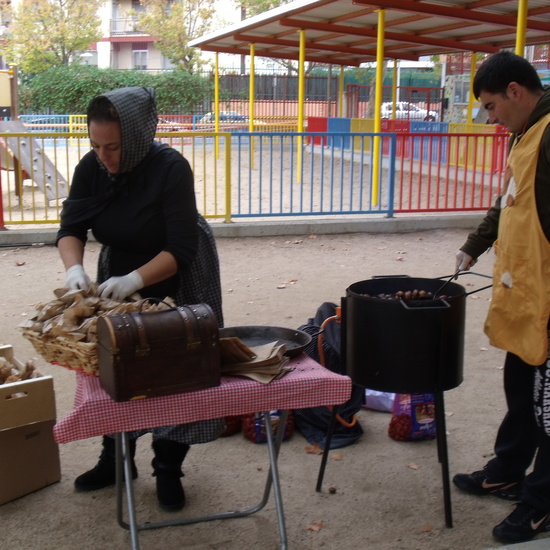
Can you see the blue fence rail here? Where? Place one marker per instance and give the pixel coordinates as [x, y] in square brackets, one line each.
[289, 174]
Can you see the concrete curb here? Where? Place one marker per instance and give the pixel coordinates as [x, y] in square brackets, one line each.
[542, 544]
[277, 228]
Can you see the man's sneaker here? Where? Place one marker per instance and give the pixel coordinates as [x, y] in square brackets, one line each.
[480, 483]
[522, 524]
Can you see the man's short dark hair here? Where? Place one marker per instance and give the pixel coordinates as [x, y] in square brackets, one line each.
[498, 70]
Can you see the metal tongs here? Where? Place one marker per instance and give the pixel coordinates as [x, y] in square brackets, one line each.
[451, 278]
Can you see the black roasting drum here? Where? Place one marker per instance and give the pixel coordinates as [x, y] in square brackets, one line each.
[404, 345]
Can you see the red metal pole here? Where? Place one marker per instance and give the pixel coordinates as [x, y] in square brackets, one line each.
[2, 226]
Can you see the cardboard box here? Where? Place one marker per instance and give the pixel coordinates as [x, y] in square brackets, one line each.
[29, 455]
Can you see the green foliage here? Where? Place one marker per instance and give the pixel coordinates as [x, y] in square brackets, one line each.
[69, 89]
[181, 92]
[51, 32]
[173, 28]
[255, 7]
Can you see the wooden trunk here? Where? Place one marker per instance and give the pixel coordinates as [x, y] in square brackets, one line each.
[158, 352]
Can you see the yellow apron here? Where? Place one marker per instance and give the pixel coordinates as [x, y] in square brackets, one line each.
[519, 311]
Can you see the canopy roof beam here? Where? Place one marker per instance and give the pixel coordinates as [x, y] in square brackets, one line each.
[319, 46]
[445, 44]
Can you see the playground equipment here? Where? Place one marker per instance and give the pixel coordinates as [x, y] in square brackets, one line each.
[32, 159]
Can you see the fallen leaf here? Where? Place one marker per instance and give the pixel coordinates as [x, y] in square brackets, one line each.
[412, 466]
[427, 528]
[332, 490]
[337, 456]
[20, 263]
[281, 286]
[316, 526]
[399, 258]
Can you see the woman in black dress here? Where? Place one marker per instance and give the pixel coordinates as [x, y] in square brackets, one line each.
[137, 197]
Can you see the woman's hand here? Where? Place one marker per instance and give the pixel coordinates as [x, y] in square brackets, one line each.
[118, 288]
[76, 278]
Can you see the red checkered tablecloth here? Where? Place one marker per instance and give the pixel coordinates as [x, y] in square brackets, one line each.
[95, 413]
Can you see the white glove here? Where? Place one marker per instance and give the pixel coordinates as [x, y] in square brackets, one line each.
[119, 288]
[76, 278]
[464, 261]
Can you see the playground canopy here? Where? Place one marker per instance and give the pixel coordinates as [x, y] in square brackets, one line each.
[346, 32]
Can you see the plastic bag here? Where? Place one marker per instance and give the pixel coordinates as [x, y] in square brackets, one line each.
[379, 400]
[254, 426]
[413, 417]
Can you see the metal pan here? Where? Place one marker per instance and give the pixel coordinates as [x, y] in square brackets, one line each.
[257, 335]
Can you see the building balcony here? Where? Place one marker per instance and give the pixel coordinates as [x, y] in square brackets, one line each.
[127, 26]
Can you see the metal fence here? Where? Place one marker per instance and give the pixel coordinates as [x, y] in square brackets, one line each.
[281, 174]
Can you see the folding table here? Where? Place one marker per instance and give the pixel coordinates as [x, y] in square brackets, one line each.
[95, 414]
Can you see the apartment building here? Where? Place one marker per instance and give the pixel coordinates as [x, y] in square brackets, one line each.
[123, 45]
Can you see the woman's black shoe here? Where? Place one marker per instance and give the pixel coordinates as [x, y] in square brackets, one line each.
[167, 463]
[103, 474]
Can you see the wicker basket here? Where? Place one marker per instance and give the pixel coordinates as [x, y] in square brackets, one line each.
[79, 356]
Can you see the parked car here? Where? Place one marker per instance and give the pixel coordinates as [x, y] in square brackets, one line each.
[229, 120]
[407, 111]
[225, 116]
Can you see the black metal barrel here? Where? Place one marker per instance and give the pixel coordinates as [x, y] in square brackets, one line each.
[404, 346]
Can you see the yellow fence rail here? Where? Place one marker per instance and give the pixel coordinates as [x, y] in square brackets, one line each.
[23, 201]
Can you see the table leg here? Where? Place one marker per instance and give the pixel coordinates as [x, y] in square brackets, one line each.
[274, 445]
[274, 471]
[123, 461]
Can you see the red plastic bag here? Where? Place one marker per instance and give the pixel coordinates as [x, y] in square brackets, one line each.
[255, 428]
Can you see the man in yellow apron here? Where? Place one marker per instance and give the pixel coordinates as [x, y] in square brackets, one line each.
[518, 227]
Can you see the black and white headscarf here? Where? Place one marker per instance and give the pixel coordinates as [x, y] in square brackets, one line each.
[137, 110]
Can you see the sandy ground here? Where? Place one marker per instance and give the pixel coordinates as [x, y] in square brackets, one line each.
[388, 495]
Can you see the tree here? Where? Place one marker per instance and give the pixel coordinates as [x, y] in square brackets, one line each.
[255, 7]
[174, 24]
[48, 33]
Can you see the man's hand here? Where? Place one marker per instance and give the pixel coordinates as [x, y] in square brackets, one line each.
[76, 278]
[464, 261]
[118, 288]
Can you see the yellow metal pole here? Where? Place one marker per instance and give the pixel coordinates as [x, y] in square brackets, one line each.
[227, 178]
[341, 93]
[251, 93]
[217, 104]
[471, 97]
[301, 98]
[521, 26]
[251, 90]
[378, 106]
